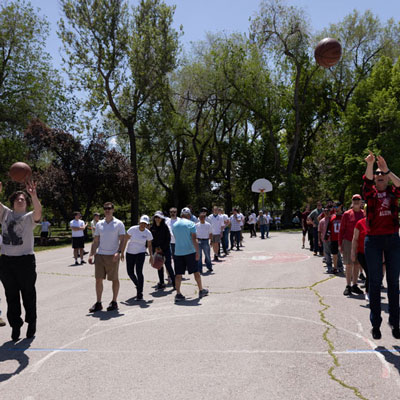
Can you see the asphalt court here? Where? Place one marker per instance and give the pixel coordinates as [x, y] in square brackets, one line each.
[274, 326]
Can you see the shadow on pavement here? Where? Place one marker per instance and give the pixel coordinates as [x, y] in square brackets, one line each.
[161, 293]
[105, 315]
[390, 356]
[133, 302]
[14, 351]
[189, 302]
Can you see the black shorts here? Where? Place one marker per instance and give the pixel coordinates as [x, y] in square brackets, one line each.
[334, 247]
[305, 231]
[78, 242]
[186, 263]
[44, 234]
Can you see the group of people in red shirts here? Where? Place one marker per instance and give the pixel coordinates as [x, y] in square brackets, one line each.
[364, 237]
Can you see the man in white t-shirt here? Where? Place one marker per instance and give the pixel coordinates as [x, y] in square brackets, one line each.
[44, 231]
[78, 237]
[216, 221]
[252, 224]
[93, 223]
[173, 218]
[204, 238]
[108, 241]
[225, 222]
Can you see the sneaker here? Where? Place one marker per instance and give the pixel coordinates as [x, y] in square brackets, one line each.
[179, 297]
[203, 292]
[15, 333]
[302, 246]
[83, 262]
[96, 307]
[30, 332]
[335, 271]
[347, 291]
[396, 333]
[362, 277]
[376, 333]
[161, 286]
[139, 296]
[366, 297]
[355, 289]
[216, 258]
[2, 322]
[76, 262]
[112, 306]
[210, 270]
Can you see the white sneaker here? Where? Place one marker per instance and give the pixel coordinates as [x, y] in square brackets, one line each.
[366, 296]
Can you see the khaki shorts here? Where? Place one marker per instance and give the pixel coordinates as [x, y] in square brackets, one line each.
[104, 265]
[346, 252]
[216, 238]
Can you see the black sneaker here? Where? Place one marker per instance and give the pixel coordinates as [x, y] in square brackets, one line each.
[15, 333]
[139, 296]
[179, 297]
[112, 306]
[83, 262]
[396, 333]
[76, 262]
[362, 277]
[355, 289]
[347, 291]
[30, 332]
[203, 292]
[376, 333]
[216, 258]
[161, 286]
[96, 307]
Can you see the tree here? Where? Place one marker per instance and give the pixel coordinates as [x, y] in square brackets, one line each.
[78, 175]
[122, 59]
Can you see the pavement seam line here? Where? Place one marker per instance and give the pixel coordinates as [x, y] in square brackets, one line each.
[331, 346]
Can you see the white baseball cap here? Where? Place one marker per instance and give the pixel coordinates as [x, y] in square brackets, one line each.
[159, 214]
[145, 219]
[186, 211]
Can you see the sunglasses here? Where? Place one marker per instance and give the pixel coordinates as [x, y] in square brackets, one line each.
[379, 173]
[107, 208]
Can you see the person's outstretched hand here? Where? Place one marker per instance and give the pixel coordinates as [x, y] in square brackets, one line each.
[382, 164]
[370, 159]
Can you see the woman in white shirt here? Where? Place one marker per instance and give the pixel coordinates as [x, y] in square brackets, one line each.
[135, 242]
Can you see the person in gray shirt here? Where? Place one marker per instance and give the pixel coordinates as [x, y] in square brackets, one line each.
[18, 265]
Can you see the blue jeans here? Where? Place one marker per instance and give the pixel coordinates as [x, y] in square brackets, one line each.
[375, 248]
[225, 237]
[262, 231]
[204, 246]
[328, 255]
[235, 235]
[317, 248]
[267, 230]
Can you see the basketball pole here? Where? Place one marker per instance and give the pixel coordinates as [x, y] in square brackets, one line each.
[262, 200]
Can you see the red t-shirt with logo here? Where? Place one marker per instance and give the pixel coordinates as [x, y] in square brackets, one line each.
[361, 225]
[349, 220]
[334, 227]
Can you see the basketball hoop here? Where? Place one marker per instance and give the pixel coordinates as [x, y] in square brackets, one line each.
[261, 186]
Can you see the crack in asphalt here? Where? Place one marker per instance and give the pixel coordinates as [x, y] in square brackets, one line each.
[321, 312]
[331, 346]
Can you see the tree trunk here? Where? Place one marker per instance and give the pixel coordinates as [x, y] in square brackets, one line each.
[135, 179]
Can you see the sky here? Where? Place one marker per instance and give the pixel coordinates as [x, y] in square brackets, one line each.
[201, 16]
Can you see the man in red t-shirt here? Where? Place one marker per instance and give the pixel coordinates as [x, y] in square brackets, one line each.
[347, 225]
[382, 240]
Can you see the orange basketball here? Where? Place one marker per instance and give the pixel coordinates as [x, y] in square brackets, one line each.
[20, 172]
[328, 52]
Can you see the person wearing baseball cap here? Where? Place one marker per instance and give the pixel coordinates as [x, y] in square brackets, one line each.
[135, 242]
[346, 232]
[187, 253]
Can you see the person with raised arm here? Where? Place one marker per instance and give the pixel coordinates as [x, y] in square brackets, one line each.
[382, 240]
[18, 264]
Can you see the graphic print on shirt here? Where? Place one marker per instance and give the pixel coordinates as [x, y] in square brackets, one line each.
[12, 235]
[384, 205]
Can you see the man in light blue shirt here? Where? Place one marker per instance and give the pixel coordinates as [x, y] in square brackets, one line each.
[186, 253]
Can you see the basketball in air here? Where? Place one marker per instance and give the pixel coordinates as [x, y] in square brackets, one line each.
[20, 172]
[328, 52]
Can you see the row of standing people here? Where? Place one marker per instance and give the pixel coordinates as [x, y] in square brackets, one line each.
[363, 239]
